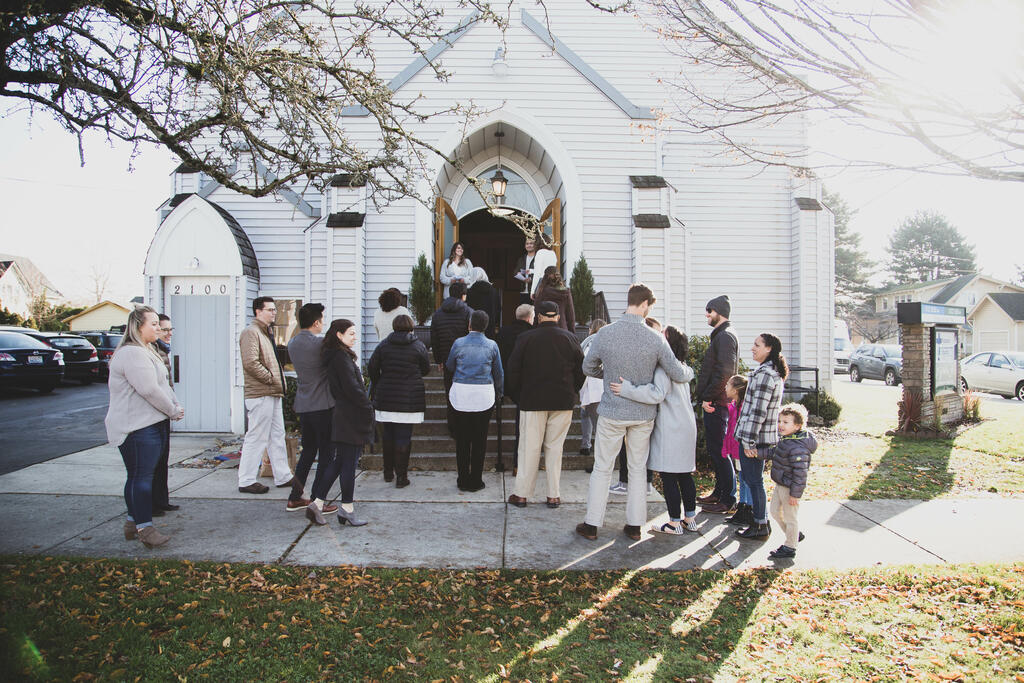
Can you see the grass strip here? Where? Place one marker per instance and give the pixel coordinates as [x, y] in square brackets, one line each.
[87, 619]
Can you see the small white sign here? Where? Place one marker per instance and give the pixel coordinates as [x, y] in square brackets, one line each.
[197, 286]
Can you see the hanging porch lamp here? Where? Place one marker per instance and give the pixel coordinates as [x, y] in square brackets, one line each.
[498, 181]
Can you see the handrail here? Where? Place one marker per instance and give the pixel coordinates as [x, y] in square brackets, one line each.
[797, 389]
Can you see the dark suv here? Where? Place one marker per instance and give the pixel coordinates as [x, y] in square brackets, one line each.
[877, 361]
[105, 343]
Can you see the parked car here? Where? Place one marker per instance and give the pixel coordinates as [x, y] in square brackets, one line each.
[842, 347]
[877, 361]
[105, 343]
[29, 363]
[998, 372]
[81, 361]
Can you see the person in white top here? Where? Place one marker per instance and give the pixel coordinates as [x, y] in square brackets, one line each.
[456, 268]
[141, 398]
[541, 260]
[391, 307]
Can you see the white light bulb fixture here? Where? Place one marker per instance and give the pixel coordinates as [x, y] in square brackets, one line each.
[498, 65]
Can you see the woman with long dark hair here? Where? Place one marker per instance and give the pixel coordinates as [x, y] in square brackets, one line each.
[674, 439]
[757, 429]
[141, 399]
[552, 288]
[396, 371]
[352, 422]
[456, 268]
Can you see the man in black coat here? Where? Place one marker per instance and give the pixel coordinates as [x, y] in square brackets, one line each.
[721, 361]
[448, 323]
[507, 336]
[544, 376]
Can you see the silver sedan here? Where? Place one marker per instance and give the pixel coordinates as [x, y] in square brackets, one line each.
[998, 372]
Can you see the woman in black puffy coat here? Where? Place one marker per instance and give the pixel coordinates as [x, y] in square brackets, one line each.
[396, 370]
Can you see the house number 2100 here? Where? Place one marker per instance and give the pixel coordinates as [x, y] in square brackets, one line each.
[203, 289]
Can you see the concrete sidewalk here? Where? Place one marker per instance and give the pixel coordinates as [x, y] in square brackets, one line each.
[432, 524]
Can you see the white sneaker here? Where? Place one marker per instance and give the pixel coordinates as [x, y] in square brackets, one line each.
[617, 487]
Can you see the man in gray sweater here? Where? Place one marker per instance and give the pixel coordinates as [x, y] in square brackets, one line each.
[626, 349]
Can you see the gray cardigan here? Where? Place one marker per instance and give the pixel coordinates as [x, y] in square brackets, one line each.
[629, 349]
[674, 439]
[140, 394]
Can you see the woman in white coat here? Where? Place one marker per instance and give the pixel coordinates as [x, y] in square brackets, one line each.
[542, 258]
[456, 268]
[674, 439]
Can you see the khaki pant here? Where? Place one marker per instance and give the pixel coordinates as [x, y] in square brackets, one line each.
[541, 429]
[266, 433]
[609, 436]
[785, 514]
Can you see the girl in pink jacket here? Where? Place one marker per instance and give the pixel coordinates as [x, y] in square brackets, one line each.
[735, 390]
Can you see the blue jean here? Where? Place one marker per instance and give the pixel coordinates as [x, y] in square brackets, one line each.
[744, 491]
[141, 452]
[340, 465]
[715, 425]
[753, 475]
[680, 490]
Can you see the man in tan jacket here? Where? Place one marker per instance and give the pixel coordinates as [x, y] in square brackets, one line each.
[264, 394]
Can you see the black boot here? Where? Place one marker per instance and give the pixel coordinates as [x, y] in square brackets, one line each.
[755, 530]
[402, 465]
[388, 451]
[744, 515]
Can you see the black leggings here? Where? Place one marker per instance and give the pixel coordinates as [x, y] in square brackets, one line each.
[679, 488]
[341, 465]
[398, 432]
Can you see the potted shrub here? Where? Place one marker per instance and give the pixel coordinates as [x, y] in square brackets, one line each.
[582, 286]
[421, 297]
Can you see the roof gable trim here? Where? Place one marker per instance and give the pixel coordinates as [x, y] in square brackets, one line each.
[421, 61]
[610, 91]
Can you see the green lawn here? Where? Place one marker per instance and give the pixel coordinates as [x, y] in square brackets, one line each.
[857, 459]
[66, 619]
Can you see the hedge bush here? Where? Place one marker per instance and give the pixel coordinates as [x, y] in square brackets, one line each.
[828, 408]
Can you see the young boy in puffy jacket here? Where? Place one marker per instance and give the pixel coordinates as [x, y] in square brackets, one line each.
[790, 462]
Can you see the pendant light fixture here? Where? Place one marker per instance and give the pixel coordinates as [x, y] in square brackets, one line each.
[498, 181]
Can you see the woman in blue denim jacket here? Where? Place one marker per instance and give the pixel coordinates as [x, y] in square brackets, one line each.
[475, 364]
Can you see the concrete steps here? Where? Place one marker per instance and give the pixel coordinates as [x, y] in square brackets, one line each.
[433, 449]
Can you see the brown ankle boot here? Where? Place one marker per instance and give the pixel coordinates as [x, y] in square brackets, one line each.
[402, 465]
[151, 537]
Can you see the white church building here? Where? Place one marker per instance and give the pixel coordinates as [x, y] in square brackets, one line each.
[575, 97]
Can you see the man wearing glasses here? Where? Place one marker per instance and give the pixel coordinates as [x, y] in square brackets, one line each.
[264, 396]
[161, 495]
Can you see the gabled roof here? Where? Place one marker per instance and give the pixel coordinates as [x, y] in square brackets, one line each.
[27, 271]
[250, 266]
[94, 307]
[1011, 302]
[914, 285]
[953, 288]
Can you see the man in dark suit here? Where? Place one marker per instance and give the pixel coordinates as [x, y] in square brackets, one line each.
[544, 376]
[507, 336]
[313, 402]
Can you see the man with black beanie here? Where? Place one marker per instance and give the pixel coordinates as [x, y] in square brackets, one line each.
[721, 361]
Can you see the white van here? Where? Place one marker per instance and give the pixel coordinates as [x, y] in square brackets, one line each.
[842, 347]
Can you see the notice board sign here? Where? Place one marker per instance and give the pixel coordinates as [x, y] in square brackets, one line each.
[944, 361]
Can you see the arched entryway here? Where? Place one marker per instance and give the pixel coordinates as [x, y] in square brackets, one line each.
[536, 188]
[495, 244]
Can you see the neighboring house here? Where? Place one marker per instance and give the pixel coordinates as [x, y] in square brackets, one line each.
[998, 322]
[21, 282]
[581, 144]
[100, 317]
[966, 290]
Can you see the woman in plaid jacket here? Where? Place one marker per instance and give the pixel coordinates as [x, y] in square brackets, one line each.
[757, 428]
